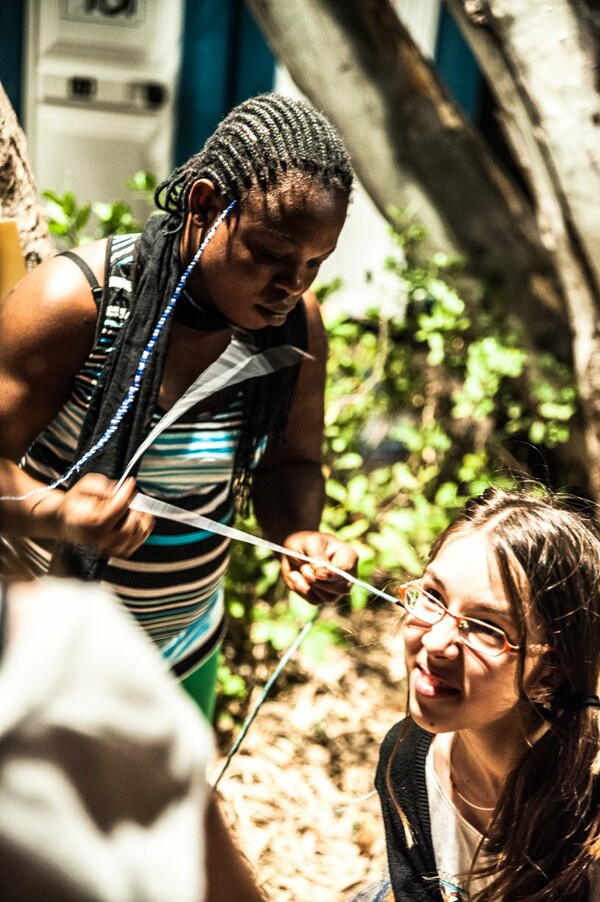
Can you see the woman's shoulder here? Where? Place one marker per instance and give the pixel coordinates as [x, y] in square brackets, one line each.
[93, 255]
[54, 299]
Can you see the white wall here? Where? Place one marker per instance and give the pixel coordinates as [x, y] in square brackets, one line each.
[100, 93]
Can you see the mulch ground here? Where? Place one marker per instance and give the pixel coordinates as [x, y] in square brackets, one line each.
[294, 794]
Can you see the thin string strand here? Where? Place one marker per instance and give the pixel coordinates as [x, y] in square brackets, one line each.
[267, 688]
[158, 508]
[356, 801]
[133, 389]
[455, 787]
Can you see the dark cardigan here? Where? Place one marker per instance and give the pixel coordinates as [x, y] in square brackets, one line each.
[412, 871]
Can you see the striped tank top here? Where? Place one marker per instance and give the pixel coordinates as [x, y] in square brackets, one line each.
[172, 585]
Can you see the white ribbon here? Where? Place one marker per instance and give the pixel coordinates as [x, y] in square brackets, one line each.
[158, 508]
[238, 362]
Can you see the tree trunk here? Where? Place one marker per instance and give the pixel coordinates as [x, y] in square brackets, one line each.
[357, 62]
[18, 193]
[550, 113]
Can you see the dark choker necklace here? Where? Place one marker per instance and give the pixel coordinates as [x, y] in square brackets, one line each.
[203, 316]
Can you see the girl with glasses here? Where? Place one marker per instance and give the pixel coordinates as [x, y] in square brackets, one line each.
[489, 787]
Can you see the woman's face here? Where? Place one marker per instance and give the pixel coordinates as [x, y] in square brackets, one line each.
[263, 258]
[451, 686]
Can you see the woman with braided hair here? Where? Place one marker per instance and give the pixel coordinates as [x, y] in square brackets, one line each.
[489, 787]
[98, 344]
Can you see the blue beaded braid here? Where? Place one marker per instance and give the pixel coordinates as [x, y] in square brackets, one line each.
[137, 379]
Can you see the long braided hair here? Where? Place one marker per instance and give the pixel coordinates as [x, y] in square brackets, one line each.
[260, 142]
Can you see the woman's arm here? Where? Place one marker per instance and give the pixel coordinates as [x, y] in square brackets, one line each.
[47, 327]
[288, 486]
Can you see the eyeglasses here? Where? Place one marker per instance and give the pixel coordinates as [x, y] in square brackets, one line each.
[481, 637]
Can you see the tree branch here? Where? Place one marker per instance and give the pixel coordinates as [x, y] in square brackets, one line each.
[18, 193]
[357, 62]
[550, 114]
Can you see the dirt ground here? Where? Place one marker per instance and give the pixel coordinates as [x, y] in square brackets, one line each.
[294, 793]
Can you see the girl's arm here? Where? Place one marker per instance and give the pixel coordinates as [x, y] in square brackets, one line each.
[229, 877]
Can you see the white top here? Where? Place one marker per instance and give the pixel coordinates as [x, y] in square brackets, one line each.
[455, 843]
[455, 840]
[102, 757]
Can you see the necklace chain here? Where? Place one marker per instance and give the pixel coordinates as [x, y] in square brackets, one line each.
[471, 804]
[457, 790]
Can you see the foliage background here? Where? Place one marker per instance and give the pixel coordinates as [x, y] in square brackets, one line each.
[431, 397]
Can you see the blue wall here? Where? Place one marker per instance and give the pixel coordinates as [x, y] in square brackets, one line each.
[11, 53]
[457, 65]
[225, 60]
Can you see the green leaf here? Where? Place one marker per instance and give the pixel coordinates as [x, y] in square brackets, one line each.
[229, 684]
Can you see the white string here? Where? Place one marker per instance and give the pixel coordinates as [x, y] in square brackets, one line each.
[355, 801]
[238, 362]
[158, 508]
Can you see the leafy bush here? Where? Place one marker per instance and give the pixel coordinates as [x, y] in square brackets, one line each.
[426, 405]
[73, 222]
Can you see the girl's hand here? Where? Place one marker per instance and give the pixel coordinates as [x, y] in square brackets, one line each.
[92, 513]
[313, 582]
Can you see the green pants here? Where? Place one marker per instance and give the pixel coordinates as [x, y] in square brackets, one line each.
[201, 683]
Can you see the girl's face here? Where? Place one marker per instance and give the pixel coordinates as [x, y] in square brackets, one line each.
[263, 258]
[451, 686]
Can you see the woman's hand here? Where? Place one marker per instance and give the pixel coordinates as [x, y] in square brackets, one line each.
[313, 582]
[92, 513]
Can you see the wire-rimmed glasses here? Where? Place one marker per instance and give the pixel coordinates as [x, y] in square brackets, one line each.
[482, 637]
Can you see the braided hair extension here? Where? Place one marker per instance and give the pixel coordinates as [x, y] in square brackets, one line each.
[258, 144]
